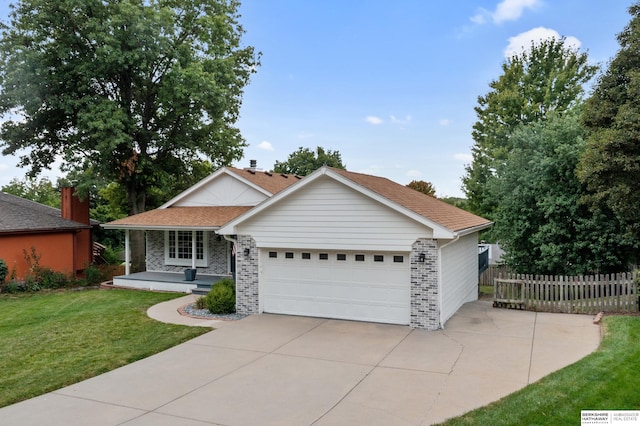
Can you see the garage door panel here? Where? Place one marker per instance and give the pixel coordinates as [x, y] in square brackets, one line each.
[349, 289]
[339, 290]
[338, 308]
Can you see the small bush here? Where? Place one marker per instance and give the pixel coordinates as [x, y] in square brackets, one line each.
[227, 282]
[4, 270]
[12, 287]
[201, 302]
[15, 286]
[93, 275]
[111, 257]
[221, 299]
[48, 278]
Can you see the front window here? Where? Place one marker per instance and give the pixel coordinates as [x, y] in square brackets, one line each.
[179, 248]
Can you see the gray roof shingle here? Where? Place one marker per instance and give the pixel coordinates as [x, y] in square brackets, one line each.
[18, 215]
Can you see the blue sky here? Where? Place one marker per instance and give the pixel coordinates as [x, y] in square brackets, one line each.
[390, 84]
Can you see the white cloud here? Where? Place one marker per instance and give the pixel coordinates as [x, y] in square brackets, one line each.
[396, 120]
[465, 157]
[265, 146]
[522, 42]
[480, 18]
[446, 122]
[372, 119]
[506, 10]
[414, 173]
[511, 10]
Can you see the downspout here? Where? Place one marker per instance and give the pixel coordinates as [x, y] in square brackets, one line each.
[440, 273]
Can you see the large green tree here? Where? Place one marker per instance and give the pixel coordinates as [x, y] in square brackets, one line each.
[547, 78]
[610, 166]
[127, 91]
[423, 186]
[305, 161]
[41, 191]
[540, 220]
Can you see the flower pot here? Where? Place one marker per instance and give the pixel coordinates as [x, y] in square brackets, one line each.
[190, 274]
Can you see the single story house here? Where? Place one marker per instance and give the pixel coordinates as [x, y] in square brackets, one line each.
[61, 237]
[334, 244]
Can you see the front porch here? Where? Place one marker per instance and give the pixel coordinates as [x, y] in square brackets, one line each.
[168, 281]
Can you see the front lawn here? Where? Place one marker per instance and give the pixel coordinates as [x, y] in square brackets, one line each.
[51, 340]
[608, 379]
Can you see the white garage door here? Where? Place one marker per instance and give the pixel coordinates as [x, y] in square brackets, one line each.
[362, 286]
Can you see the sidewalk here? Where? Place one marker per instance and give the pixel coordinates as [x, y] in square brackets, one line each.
[168, 312]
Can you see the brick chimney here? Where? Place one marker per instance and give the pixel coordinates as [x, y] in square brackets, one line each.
[72, 208]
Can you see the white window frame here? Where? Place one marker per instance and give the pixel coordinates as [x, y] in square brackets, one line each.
[174, 261]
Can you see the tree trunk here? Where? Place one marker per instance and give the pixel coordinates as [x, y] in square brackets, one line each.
[137, 204]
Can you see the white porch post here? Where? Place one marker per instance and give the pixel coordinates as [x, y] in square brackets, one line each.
[193, 249]
[127, 253]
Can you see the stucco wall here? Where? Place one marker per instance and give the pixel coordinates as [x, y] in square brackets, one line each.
[55, 249]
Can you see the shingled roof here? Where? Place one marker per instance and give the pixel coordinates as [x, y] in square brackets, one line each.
[182, 217]
[438, 211]
[211, 217]
[269, 181]
[18, 215]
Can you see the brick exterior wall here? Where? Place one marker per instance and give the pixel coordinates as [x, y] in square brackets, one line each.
[217, 255]
[247, 296]
[425, 301]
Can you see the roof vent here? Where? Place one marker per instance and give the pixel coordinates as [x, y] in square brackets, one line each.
[253, 167]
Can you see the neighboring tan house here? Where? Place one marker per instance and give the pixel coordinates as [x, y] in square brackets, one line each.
[61, 237]
[334, 244]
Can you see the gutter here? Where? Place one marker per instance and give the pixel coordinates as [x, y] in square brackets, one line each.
[160, 227]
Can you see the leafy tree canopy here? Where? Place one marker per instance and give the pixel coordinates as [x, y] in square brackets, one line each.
[546, 79]
[126, 91]
[610, 166]
[41, 191]
[304, 161]
[458, 202]
[423, 186]
[540, 221]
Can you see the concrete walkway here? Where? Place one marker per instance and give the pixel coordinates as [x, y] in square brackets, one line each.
[286, 370]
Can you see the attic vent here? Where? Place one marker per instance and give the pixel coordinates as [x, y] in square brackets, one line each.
[285, 176]
[268, 173]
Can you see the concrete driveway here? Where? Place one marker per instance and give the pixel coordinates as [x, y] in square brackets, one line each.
[286, 370]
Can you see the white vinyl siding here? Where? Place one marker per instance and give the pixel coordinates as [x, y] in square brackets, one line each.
[329, 215]
[459, 276]
[223, 191]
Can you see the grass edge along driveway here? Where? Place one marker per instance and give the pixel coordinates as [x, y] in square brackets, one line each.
[607, 379]
[51, 340]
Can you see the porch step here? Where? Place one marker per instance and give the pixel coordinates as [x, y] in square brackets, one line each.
[202, 289]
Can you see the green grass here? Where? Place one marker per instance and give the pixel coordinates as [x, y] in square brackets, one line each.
[486, 291]
[608, 379]
[54, 339]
